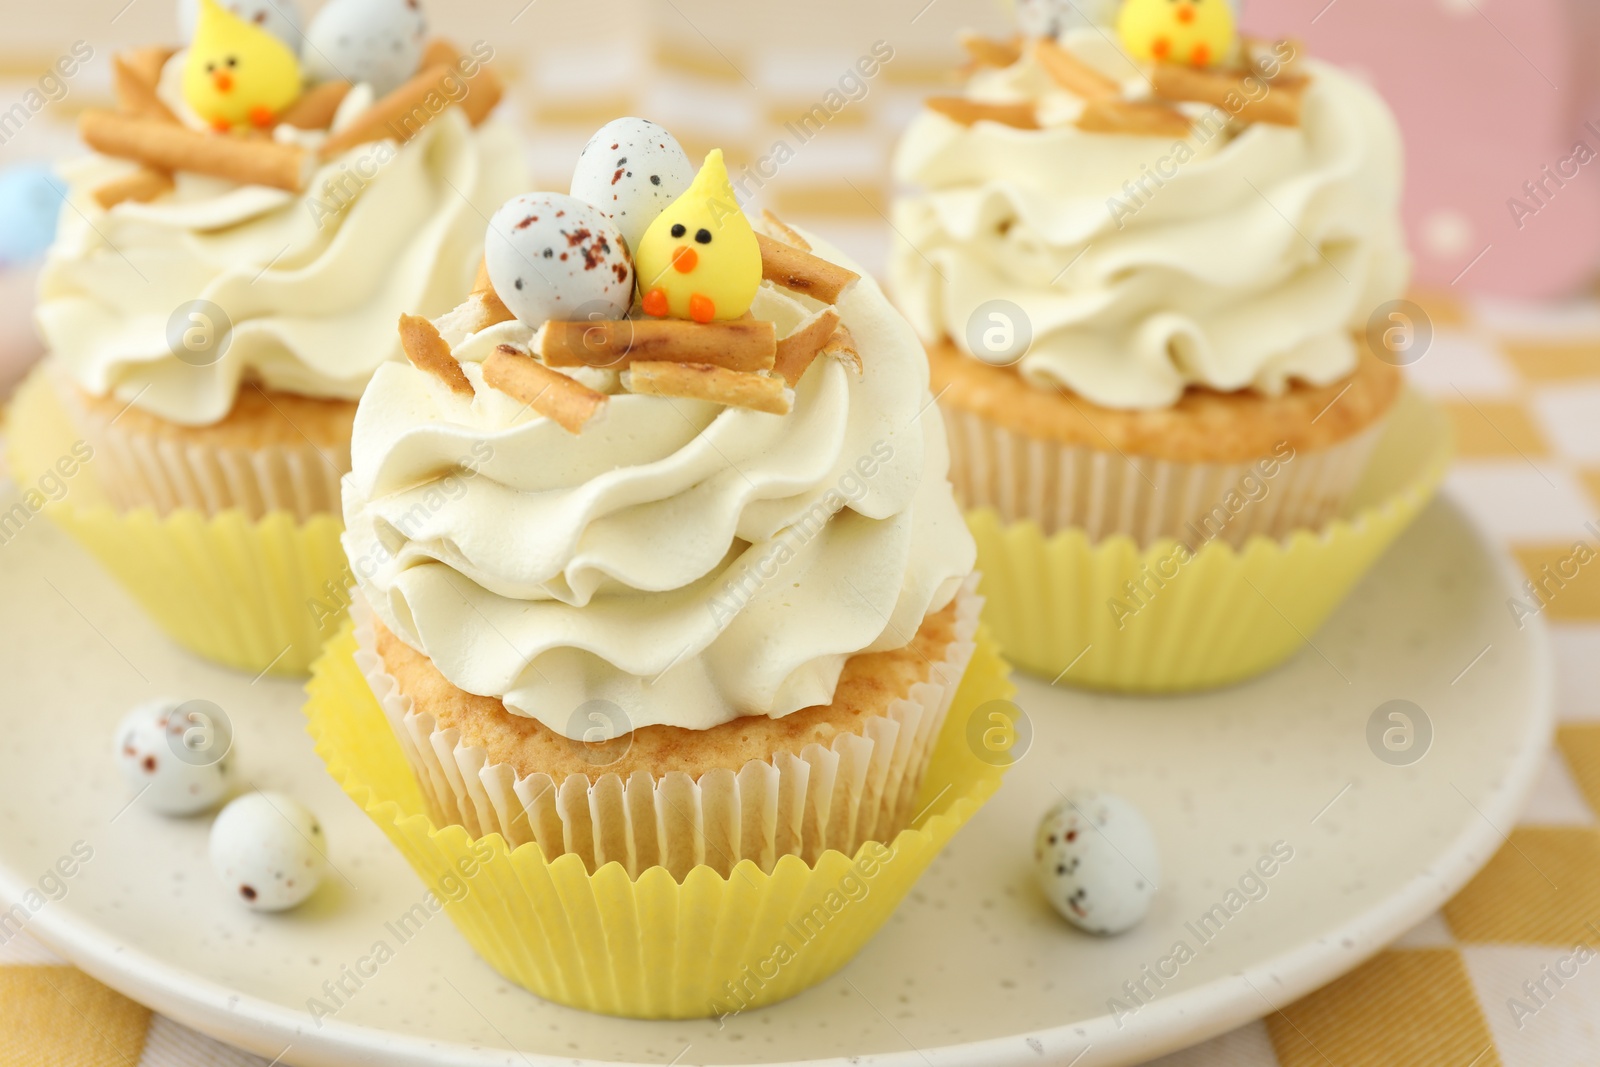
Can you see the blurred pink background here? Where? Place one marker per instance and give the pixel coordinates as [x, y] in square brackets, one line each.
[1489, 94]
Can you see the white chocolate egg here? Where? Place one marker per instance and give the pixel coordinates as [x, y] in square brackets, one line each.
[1097, 862]
[278, 17]
[552, 256]
[631, 169]
[378, 42]
[175, 755]
[268, 851]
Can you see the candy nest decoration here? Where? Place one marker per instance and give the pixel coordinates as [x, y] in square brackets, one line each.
[1203, 76]
[241, 81]
[563, 268]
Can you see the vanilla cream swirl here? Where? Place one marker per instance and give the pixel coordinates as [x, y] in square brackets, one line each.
[1146, 265]
[688, 562]
[312, 282]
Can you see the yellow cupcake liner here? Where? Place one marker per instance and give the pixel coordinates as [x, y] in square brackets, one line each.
[257, 595]
[650, 947]
[1110, 614]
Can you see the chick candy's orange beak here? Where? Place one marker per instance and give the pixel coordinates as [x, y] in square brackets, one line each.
[1185, 13]
[223, 81]
[685, 259]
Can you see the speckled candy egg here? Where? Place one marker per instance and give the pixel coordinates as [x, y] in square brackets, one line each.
[374, 41]
[1052, 18]
[1097, 862]
[631, 169]
[161, 766]
[555, 257]
[268, 850]
[278, 17]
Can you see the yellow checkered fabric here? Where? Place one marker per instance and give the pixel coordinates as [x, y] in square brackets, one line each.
[1492, 980]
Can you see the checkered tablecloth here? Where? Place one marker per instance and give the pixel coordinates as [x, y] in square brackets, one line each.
[1522, 386]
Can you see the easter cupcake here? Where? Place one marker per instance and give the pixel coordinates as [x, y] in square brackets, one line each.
[667, 585]
[1143, 258]
[227, 275]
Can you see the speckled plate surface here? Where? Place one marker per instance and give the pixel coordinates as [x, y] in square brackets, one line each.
[974, 968]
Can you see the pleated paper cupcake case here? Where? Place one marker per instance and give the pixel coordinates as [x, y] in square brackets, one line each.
[651, 946]
[860, 788]
[254, 594]
[168, 475]
[1109, 613]
[1063, 487]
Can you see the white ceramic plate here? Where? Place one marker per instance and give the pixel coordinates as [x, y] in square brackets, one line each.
[973, 968]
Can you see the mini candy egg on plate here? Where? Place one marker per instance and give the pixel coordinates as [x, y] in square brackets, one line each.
[268, 851]
[278, 17]
[165, 772]
[374, 41]
[1097, 862]
[552, 256]
[631, 169]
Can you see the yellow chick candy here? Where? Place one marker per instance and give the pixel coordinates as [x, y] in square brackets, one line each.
[237, 73]
[699, 259]
[1200, 33]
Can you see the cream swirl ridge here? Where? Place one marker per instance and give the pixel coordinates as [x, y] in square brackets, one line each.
[1232, 259]
[312, 283]
[687, 562]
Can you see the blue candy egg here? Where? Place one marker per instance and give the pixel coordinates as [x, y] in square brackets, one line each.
[30, 202]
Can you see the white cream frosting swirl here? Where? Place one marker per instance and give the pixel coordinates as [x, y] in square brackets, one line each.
[1146, 265]
[313, 282]
[688, 562]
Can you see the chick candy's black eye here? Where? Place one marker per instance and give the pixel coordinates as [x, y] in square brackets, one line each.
[678, 229]
[703, 236]
[233, 61]
[210, 67]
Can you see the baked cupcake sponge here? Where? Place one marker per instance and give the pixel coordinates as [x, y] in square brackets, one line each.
[826, 777]
[273, 451]
[1055, 458]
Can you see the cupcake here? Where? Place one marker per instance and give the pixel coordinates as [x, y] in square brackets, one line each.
[1146, 260]
[674, 594]
[227, 275]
